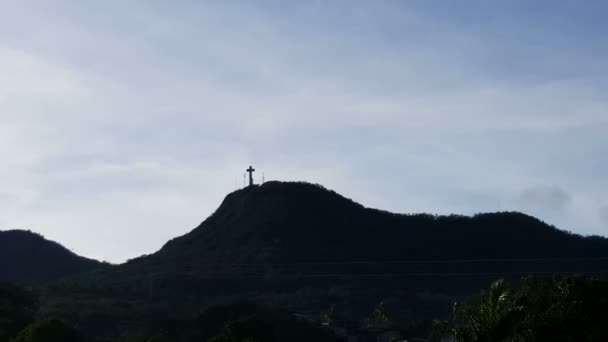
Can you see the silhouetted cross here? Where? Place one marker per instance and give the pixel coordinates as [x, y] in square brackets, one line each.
[250, 170]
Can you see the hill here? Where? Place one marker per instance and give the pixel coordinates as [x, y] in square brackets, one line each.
[282, 228]
[301, 247]
[29, 257]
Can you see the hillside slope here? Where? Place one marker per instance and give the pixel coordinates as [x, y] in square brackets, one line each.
[304, 248]
[299, 226]
[290, 235]
[28, 257]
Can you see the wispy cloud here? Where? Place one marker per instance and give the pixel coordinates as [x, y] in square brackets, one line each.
[543, 198]
[119, 119]
[604, 215]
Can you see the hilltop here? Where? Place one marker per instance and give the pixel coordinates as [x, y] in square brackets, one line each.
[285, 224]
[29, 257]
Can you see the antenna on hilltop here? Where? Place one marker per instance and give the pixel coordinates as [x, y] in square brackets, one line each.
[263, 178]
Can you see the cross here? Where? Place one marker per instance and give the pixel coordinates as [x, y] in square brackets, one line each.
[250, 170]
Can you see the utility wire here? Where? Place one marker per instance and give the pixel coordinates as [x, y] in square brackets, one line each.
[390, 275]
[443, 261]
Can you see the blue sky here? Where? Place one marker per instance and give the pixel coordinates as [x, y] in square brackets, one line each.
[124, 123]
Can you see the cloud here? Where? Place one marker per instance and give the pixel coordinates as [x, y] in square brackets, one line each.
[603, 213]
[108, 131]
[543, 198]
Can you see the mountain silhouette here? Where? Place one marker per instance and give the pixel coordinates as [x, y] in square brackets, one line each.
[285, 227]
[295, 238]
[302, 248]
[29, 257]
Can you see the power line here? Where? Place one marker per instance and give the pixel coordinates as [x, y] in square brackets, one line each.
[391, 275]
[437, 261]
[454, 274]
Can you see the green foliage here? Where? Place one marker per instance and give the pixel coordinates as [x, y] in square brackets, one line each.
[379, 318]
[49, 331]
[142, 334]
[17, 309]
[494, 319]
[245, 321]
[158, 338]
[568, 308]
[558, 309]
[246, 331]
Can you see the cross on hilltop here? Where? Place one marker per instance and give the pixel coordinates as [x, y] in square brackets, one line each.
[250, 170]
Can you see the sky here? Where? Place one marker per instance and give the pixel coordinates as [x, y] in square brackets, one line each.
[124, 124]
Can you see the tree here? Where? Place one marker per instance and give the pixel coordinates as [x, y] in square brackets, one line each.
[246, 331]
[556, 309]
[17, 309]
[379, 318]
[158, 338]
[493, 320]
[51, 330]
[565, 308]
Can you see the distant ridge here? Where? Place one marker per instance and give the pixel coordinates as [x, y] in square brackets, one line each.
[29, 257]
[303, 248]
[297, 229]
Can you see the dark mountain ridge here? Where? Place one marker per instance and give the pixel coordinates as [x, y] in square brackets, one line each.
[290, 223]
[303, 248]
[29, 257]
[299, 233]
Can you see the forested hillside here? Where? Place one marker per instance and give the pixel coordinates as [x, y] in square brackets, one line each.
[28, 257]
[302, 248]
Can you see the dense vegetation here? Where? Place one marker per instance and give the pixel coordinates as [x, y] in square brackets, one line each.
[560, 308]
[554, 309]
[28, 257]
[20, 321]
[297, 248]
[49, 330]
[18, 308]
